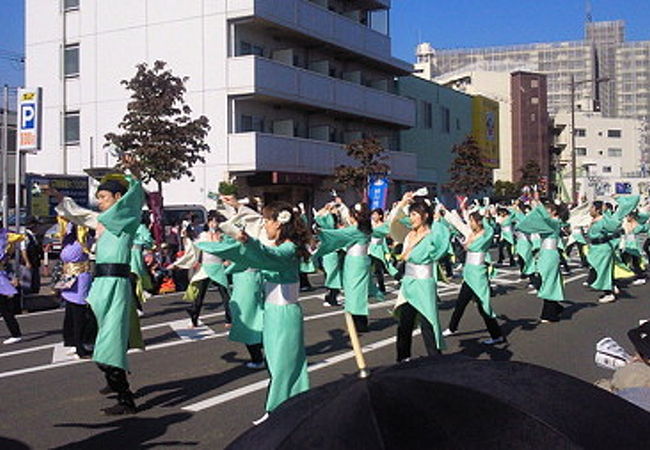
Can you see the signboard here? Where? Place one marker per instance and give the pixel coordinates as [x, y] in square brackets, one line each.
[29, 119]
[378, 192]
[485, 129]
[623, 188]
[40, 205]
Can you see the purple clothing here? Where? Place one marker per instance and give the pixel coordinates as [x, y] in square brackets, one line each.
[6, 288]
[73, 252]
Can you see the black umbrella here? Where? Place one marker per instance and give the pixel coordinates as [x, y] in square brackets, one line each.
[450, 402]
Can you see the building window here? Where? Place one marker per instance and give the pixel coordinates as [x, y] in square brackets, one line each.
[445, 125]
[251, 123]
[427, 114]
[534, 83]
[534, 100]
[71, 128]
[615, 152]
[614, 133]
[457, 124]
[71, 61]
[607, 169]
[581, 132]
[246, 48]
[70, 5]
[581, 151]
[533, 117]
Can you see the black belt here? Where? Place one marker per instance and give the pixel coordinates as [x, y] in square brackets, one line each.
[112, 270]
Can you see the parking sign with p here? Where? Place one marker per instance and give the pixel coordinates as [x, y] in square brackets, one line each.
[29, 126]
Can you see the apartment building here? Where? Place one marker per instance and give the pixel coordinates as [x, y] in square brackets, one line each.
[285, 84]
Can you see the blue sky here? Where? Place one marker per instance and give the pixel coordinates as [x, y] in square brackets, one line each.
[443, 23]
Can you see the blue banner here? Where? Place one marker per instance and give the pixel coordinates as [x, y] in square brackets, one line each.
[378, 192]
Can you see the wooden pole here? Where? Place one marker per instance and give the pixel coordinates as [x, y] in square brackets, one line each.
[356, 346]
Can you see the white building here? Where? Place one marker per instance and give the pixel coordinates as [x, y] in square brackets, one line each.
[284, 83]
[608, 151]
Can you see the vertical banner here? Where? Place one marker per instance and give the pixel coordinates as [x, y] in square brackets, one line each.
[377, 192]
[154, 202]
[29, 119]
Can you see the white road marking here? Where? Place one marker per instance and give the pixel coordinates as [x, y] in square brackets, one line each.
[262, 384]
[186, 332]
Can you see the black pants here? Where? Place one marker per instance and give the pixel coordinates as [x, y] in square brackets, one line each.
[7, 308]
[634, 263]
[378, 269]
[255, 350]
[407, 315]
[464, 297]
[196, 307]
[446, 264]
[331, 296]
[551, 311]
[581, 254]
[536, 281]
[79, 327]
[304, 281]
[360, 323]
[117, 381]
[505, 244]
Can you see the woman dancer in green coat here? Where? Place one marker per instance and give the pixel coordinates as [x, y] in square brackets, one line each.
[356, 266]
[424, 245]
[282, 332]
[328, 218]
[476, 285]
[546, 221]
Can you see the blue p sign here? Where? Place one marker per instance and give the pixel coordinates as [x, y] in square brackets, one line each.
[27, 116]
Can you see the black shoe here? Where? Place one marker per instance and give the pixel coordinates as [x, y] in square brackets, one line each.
[106, 390]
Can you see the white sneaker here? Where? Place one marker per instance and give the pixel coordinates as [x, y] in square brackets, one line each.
[639, 282]
[584, 283]
[607, 298]
[493, 341]
[616, 290]
[12, 340]
[254, 365]
[140, 312]
[448, 333]
[261, 419]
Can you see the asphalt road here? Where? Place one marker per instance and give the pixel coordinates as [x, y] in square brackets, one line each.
[193, 390]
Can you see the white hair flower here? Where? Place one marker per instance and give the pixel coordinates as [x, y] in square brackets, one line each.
[427, 201]
[284, 216]
[357, 207]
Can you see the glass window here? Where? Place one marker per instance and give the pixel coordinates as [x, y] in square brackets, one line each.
[71, 128]
[71, 61]
[615, 152]
[246, 48]
[607, 169]
[534, 100]
[445, 120]
[614, 133]
[251, 123]
[534, 83]
[427, 115]
[70, 5]
[581, 132]
[581, 151]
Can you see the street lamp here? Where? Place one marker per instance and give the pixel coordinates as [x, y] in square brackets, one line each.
[574, 83]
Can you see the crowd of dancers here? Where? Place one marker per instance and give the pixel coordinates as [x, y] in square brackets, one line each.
[259, 256]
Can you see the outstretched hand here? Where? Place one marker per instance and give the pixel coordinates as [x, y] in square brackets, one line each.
[130, 162]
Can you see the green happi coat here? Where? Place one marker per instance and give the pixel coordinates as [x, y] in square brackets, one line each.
[506, 230]
[141, 241]
[215, 271]
[332, 262]
[246, 300]
[548, 260]
[524, 247]
[476, 276]
[111, 298]
[601, 254]
[422, 294]
[630, 243]
[282, 331]
[356, 269]
[379, 248]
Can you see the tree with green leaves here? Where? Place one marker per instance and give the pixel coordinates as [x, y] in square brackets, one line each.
[469, 176]
[158, 129]
[371, 158]
[530, 174]
[505, 190]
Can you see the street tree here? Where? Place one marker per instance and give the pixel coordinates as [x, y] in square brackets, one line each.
[369, 159]
[469, 176]
[505, 189]
[158, 129]
[530, 174]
